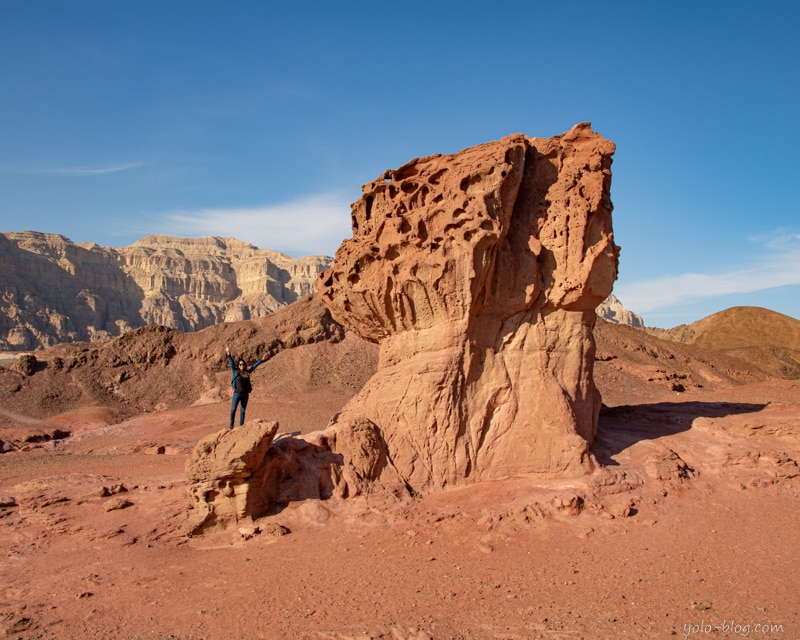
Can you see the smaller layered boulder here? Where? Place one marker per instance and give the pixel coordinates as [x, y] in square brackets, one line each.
[226, 473]
[238, 476]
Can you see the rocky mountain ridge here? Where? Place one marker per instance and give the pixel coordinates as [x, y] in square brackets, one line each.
[53, 290]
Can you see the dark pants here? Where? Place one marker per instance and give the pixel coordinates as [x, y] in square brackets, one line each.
[238, 399]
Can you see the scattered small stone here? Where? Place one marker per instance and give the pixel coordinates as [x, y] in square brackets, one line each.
[8, 501]
[249, 532]
[117, 503]
[16, 624]
[113, 490]
[273, 530]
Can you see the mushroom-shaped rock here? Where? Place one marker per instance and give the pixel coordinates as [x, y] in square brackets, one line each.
[478, 274]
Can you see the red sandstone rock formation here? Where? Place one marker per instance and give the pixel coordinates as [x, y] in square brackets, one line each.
[239, 475]
[226, 472]
[478, 273]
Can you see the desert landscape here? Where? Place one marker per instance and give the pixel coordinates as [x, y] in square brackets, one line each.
[446, 443]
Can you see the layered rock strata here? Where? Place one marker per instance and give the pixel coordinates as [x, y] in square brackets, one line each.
[478, 274]
[53, 290]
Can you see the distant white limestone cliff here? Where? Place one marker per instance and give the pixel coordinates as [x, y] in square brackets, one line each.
[53, 290]
[611, 309]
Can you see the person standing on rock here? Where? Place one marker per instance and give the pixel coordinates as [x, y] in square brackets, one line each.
[241, 385]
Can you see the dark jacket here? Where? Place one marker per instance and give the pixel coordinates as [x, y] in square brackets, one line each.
[241, 383]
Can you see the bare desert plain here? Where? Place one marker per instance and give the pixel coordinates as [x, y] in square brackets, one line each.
[687, 527]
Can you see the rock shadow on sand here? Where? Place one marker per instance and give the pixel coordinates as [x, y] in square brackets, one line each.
[622, 426]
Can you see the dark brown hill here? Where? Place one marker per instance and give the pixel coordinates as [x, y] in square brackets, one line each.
[760, 337]
[155, 368]
[634, 365]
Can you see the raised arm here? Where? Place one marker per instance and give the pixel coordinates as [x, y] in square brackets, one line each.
[256, 363]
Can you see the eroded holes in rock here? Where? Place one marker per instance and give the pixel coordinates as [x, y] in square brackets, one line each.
[464, 184]
[393, 191]
[392, 253]
[458, 213]
[469, 234]
[368, 206]
[419, 198]
[504, 173]
[406, 171]
[329, 282]
[404, 226]
[422, 230]
[439, 197]
[409, 186]
[487, 225]
[437, 176]
[354, 278]
[434, 246]
[450, 226]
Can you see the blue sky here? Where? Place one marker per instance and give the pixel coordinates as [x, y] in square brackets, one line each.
[261, 121]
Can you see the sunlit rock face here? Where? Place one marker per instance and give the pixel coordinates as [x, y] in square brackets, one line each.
[478, 273]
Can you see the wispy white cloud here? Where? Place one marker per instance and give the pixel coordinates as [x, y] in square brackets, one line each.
[776, 264]
[313, 225]
[91, 170]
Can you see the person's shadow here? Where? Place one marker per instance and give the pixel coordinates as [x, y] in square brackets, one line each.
[625, 425]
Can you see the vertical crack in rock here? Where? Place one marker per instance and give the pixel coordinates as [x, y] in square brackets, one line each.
[478, 273]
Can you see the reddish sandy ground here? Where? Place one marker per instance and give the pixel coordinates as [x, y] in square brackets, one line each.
[689, 529]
